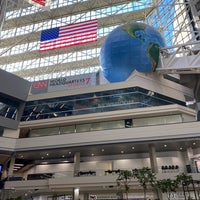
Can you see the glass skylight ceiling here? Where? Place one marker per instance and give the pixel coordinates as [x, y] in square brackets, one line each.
[20, 35]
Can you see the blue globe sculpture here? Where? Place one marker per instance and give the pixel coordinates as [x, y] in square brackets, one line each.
[132, 46]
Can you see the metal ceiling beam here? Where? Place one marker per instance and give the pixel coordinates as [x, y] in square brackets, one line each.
[102, 23]
[59, 68]
[35, 36]
[56, 13]
[37, 54]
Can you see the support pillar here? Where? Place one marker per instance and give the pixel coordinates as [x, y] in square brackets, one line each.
[76, 163]
[190, 165]
[76, 194]
[11, 166]
[153, 161]
[197, 108]
[154, 167]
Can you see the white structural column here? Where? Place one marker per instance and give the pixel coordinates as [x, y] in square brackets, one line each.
[11, 167]
[190, 166]
[153, 161]
[154, 166]
[76, 194]
[76, 163]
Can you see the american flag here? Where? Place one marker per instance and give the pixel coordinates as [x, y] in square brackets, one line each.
[69, 35]
[40, 3]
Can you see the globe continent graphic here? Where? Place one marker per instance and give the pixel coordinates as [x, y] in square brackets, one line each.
[132, 46]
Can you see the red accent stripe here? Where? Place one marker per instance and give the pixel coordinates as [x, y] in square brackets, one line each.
[74, 35]
[94, 21]
[64, 45]
[70, 39]
[80, 24]
[41, 2]
[79, 30]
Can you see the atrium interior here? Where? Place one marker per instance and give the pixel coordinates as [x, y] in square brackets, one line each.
[66, 131]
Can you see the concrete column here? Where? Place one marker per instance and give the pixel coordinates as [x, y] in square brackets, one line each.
[76, 194]
[152, 156]
[154, 167]
[20, 111]
[197, 108]
[76, 163]
[11, 167]
[190, 161]
[189, 152]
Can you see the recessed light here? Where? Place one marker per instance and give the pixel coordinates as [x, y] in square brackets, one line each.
[47, 154]
[181, 148]
[133, 147]
[165, 145]
[194, 143]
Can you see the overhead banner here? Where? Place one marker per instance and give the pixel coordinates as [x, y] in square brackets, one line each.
[63, 83]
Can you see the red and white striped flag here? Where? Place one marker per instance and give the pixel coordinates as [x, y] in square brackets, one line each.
[40, 3]
[69, 35]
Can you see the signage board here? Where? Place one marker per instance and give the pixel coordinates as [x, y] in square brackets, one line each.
[63, 83]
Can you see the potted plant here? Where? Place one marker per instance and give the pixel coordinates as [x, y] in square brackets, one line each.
[124, 180]
[145, 177]
[167, 186]
[170, 186]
